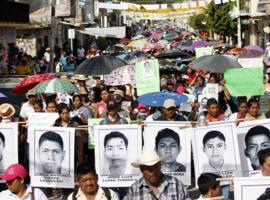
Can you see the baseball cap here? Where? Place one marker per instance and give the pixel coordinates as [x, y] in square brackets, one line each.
[14, 171]
[168, 103]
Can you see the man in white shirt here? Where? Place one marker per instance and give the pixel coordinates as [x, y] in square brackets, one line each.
[28, 107]
[88, 187]
[81, 53]
[17, 189]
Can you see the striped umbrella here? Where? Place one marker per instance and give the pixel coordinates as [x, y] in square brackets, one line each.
[54, 86]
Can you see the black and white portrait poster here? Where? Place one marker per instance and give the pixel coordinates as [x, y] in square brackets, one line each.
[8, 145]
[252, 137]
[215, 150]
[51, 152]
[116, 146]
[252, 188]
[175, 143]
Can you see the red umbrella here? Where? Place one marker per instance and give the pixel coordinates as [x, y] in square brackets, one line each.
[30, 82]
[124, 40]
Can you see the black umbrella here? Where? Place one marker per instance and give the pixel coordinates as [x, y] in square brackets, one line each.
[215, 63]
[99, 65]
[175, 54]
[167, 67]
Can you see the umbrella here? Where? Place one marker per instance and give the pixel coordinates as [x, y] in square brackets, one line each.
[236, 51]
[2, 95]
[199, 44]
[121, 76]
[167, 67]
[124, 40]
[154, 35]
[251, 54]
[30, 82]
[254, 47]
[175, 54]
[170, 35]
[163, 42]
[138, 37]
[215, 63]
[99, 65]
[136, 56]
[116, 48]
[54, 86]
[138, 44]
[157, 98]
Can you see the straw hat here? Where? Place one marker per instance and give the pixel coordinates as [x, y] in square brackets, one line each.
[80, 77]
[6, 110]
[83, 90]
[149, 158]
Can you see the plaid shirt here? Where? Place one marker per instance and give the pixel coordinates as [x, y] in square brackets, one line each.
[169, 189]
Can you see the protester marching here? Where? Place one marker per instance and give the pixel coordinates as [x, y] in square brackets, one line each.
[151, 117]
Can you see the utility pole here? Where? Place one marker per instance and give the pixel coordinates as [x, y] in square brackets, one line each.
[53, 35]
[239, 38]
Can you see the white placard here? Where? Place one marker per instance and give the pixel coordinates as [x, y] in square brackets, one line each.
[251, 188]
[174, 142]
[51, 156]
[42, 119]
[215, 150]
[252, 136]
[8, 145]
[116, 146]
[210, 91]
[251, 62]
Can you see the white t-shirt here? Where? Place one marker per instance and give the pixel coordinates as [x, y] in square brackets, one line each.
[81, 53]
[8, 195]
[26, 110]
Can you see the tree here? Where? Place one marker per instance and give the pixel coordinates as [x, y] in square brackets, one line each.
[198, 22]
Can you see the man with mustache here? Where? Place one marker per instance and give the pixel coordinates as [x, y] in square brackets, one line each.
[88, 186]
[154, 185]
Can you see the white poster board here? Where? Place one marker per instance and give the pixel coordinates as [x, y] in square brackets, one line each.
[173, 141]
[215, 150]
[251, 62]
[210, 91]
[116, 146]
[8, 145]
[51, 152]
[252, 136]
[251, 188]
[42, 118]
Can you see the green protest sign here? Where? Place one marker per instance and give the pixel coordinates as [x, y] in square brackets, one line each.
[244, 81]
[203, 51]
[147, 77]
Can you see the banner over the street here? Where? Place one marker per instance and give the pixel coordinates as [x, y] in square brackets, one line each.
[244, 81]
[147, 77]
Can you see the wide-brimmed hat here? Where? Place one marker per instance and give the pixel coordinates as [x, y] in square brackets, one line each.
[14, 171]
[83, 90]
[81, 77]
[6, 110]
[149, 158]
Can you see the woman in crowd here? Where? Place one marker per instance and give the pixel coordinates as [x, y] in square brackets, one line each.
[253, 113]
[101, 107]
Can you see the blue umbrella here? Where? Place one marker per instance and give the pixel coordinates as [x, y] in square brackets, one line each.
[157, 98]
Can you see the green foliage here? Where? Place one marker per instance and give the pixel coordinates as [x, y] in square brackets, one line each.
[217, 18]
[198, 22]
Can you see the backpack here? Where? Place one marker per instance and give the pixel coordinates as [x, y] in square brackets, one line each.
[106, 192]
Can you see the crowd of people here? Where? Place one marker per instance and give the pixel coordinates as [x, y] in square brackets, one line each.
[108, 103]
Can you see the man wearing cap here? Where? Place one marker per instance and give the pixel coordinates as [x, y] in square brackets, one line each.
[15, 177]
[155, 185]
[28, 107]
[169, 112]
